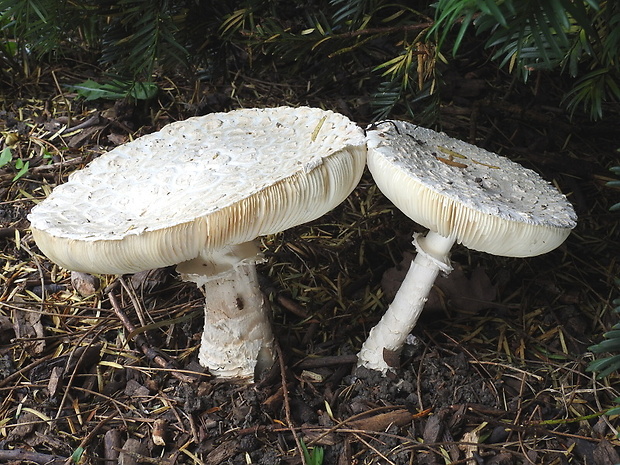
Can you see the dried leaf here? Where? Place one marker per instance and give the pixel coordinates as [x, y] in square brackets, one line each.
[6, 329]
[150, 280]
[223, 452]
[391, 357]
[84, 284]
[135, 389]
[117, 139]
[131, 452]
[26, 424]
[84, 136]
[433, 429]
[382, 421]
[112, 444]
[471, 438]
[605, 454]
[160, 432]
[55, 382]
[503, 458]
[27, 325]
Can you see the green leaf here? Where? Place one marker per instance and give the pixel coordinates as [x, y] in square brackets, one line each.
[605, 367]
[594, 4]
[613, 411]
[22, 167]
[601, 364]
[9, 48]
[91, 90]
[318, 453]
[491, 8]
[305, 451]
[608, 345]
[467, 19]
[615, 333]
[315, 457]
[5, 156]
[76, 457]
[143, 90]
[115, 90]
[579, 11]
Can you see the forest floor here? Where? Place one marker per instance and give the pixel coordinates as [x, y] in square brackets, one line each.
[495, 375]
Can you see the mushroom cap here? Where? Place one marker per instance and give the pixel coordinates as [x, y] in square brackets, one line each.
[482, 200]
[197, 185]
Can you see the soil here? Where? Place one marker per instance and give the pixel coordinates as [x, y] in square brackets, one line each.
[495, 373]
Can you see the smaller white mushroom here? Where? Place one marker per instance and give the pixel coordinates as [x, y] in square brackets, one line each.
[197, 194]
[461, 193]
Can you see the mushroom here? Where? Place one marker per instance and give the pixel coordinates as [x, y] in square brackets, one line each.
[463, 194]
[197, 194]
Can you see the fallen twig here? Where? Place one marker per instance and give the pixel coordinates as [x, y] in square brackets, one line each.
[21, 371]
[287, 405]
[59, 165]
[21, 456]
[92, 434]
[150, 353]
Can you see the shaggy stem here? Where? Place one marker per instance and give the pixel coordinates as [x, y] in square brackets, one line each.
[403, 313]
[237, 341]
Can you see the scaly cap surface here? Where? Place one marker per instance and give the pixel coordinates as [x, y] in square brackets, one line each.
[484, 201]
[200, 184]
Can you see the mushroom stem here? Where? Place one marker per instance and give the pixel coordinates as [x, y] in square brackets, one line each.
[389, 335]
[237, 341]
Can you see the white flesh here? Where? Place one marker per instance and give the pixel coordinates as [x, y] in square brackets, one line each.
[237, 342]
[191, 191]
[403, 313]
[463, 194]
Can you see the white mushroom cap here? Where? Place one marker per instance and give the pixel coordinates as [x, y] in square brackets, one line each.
[198, 185]
[482, 200]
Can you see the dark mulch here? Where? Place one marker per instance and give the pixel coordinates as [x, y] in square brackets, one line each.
[496, 373]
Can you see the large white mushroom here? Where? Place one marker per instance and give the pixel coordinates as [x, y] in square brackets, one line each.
[197, 193]
[463, 194]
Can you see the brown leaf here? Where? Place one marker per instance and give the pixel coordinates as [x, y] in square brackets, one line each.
[25, 426]
[150, 280]
[223, 452]
[503, 458]
[84, 136]
[84, 284]
[433, 432]
[391, 357]
[605, 454]
[19, 456]
[319, 438]
[135, 389]
[382, 421]
[55, 382]
[471, 294]
[27, 325]
[160, 432]
[7, 330]
[131, 452]
[112, 444]
[393, 277]
[433, 429]
[117, 139]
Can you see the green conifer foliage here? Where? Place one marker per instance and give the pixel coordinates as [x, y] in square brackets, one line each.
[393, 50]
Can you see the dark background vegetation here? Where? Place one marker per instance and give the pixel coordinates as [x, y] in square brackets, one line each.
[538, 81]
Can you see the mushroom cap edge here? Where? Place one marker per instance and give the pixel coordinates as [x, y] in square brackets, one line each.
[439, 182]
